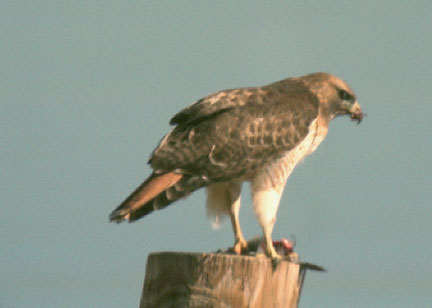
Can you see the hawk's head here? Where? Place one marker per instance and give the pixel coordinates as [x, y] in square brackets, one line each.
[335, 96]
[345, 103]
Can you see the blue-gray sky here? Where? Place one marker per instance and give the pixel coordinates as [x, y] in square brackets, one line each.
[86, 92]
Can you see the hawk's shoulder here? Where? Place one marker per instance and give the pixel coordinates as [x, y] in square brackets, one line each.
[214, 104]
[291, 92]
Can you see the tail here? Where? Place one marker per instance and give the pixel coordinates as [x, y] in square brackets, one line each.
[157, 192]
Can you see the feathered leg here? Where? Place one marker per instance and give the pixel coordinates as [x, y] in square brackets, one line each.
[224, 199]
[240, 243]
[266, 203]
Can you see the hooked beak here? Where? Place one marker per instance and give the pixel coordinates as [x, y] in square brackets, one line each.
[356, 113]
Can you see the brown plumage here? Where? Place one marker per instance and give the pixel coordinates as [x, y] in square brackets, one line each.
[247, 134]
[140, 202]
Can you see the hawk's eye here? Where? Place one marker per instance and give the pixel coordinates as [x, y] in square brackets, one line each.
[344, 95]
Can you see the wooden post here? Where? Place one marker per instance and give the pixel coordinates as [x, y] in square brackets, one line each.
[175, 279]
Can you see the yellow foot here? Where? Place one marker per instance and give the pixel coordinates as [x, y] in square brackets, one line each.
[239, 246]
[275, 255]
[271, 252]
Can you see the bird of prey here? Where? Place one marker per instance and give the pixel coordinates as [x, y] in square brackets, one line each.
[254, 134]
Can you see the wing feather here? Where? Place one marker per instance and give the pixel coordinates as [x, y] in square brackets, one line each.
[214, 104]
[232, 133]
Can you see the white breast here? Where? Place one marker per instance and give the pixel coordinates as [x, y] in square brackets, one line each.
[277, 172]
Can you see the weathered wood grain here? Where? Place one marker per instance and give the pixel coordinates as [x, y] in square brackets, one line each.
[175, 279]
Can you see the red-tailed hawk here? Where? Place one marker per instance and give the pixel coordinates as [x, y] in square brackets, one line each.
[255, 135]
